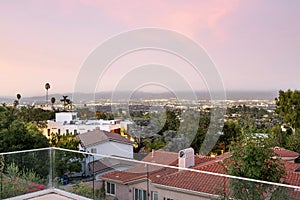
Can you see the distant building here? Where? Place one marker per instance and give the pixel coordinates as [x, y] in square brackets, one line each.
[68, 123]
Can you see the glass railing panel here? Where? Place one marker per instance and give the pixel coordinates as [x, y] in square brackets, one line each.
[96, 176]
[24, 172]
[80, 172]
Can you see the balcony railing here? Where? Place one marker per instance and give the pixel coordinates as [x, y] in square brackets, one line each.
[81, 175]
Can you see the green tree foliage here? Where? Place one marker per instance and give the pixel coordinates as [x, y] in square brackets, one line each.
[66, 161]
[65, 141]
[18, 134]
[201, 131]
[87, 191]
[276, 136]
[85, 113]
[252, 158]
[155, 144]
[231, 132]
[103, 115]
[288, 108]
[34, 115]
[171, 121]
[293, 141]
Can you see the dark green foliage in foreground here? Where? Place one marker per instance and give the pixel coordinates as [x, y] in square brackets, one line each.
[18, 133]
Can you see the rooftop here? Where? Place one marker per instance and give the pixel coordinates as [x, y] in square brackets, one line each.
[98, 136]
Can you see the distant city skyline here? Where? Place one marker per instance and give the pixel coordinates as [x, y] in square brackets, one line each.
[254, 44]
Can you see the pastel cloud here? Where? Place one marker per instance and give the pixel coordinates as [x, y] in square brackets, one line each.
[186, 17]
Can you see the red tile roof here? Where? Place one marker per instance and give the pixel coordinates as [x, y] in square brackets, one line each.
[139, 171]
[107, 163]
[201, 182]
[98, 136]
[195, 181]
[293, 178]
[291, 167]
[283, 153]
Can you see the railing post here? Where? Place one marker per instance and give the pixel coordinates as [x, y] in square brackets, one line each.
[93, 177]
[148, 186]
[50, 184]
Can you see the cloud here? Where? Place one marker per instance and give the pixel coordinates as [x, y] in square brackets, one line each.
[190, 18]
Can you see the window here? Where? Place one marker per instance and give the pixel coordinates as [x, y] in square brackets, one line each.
[110, 188]
[48, 132]
[67, 131]
[93, 150]
[168, 198]
[154, 195]
[140, 194]
[58, 131]
[75, 131]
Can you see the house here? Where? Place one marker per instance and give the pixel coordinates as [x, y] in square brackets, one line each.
[170, 183]
[142, 178]
[68, 123]
[103, 143]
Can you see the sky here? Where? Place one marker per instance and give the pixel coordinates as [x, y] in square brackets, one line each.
[255, 45]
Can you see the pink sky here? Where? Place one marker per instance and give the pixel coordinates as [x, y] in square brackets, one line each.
[254, 44]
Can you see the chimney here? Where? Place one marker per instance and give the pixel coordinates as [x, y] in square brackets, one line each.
[186, 158]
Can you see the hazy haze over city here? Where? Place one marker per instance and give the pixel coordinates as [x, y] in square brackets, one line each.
[254, 44]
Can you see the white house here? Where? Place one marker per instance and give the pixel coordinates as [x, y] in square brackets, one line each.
[68, 122]
[104, 143]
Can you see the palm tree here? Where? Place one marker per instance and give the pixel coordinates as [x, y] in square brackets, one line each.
[18, 97]
[16, 103]
[52, 102]
[47, 87]
[66, 101]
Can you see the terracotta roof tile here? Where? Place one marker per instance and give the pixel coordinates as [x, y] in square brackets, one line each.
[107, 163]
[139, 171]
[201, 182]
[282, 152]
[293, 178]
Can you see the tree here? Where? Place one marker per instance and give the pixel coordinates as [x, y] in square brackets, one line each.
[53, 102]
[16, 103]
[18, 134]
[65, 101]
[293, 141]
[201, 131]
[66, 161]
[252, 158]
[288, 108]
[18, 97]
[47, 87]
[34, 115]
[231, 131]
[276, 136]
